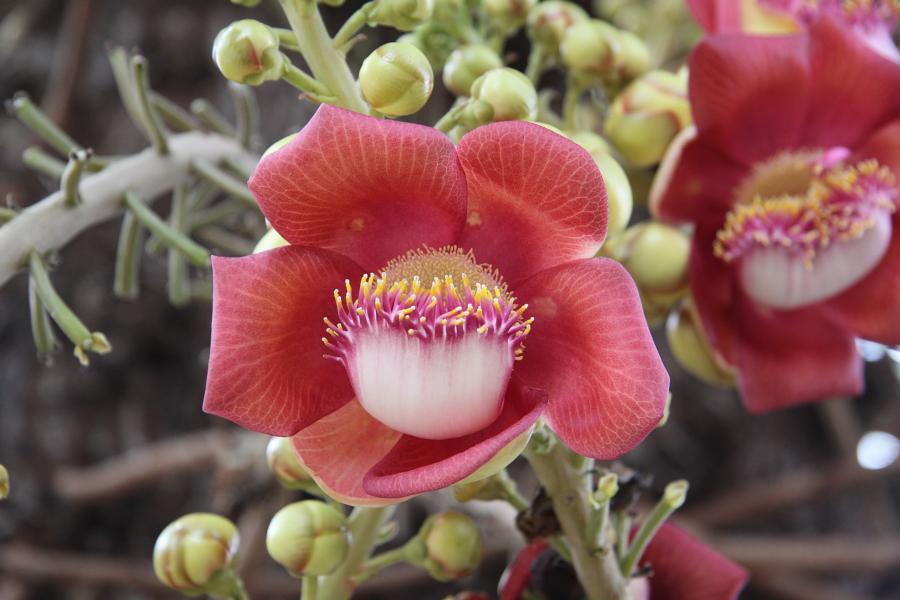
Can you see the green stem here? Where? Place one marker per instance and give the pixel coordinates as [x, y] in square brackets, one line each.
[450, 118]
[212, 118]
[179, 285]
[194, 252]
[325, 61]
[303, 82]
[286, 39]
[365, 525]
[153, 125]
[310, 587]
[35, 119]
[570, 103]
[128, 258]
[623, 528]
[177, 118]
[222, 180]
[38, 160]
[672, 498]
[71, 176]
[386, 559]
[44, 338]
[7, 215]
[351, 26]
[247, 112]
[123, 75]
[535, 67]
[598, 573]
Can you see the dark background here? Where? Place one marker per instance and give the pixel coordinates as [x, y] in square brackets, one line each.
[781, 492]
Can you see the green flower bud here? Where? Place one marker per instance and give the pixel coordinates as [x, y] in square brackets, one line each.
[434, 40]
[508, 15]
[618, 189]
[193, 550]
[691, 348]
[466, 64]
[607, 487]
[247, 52]
[285, 465]
[589, 48]
[475, 114]
[645, 118]
[4, 483]
[450, 546]
[633, 56]
[509, 92]
[396, 79]
[401, 14]
[308, 538]
[549, 21]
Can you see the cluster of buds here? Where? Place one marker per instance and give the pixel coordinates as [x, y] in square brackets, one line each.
[548, 23]
[596, 52]
[507, 15]
[466, 64]
[509, 93]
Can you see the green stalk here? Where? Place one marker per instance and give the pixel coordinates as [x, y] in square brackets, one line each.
[351, 26]
[41, 330]
[179, 285]
[34, 118]
[38, 160]
[177, 118]
[212, 118]
[222, 180]
[152, 122]
[326, 62]
[194, 252]
[310, 587]
[365, 526]
[672, 499]
[306, 84]
[128, 258]
[71, 176]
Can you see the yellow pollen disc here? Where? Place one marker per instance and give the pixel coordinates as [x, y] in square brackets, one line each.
[786, 174]
[441, 266]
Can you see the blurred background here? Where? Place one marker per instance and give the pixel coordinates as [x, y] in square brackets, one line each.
[102, 458]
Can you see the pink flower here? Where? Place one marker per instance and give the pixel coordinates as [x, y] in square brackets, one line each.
[681, 568]
[872, 20]
[790, 180]
[457, 298]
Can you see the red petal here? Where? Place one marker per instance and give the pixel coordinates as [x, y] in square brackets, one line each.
[694, 181]
[369, 188]
[854, 90]
[749, 94]
[338, 450]
[415, 466]
[518, 574]
[266, 369]
[536, 199]
[591, 350]
[686, 569]
[884, 145]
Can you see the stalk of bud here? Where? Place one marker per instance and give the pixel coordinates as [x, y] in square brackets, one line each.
[509, 92]
[396, 79]
[308, 538]
[247, 52]
[466, 64]
[4, 483]
[401, 14]
[193, 555]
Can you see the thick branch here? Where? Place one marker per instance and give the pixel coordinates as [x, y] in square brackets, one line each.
[824, 554]
[49, 224]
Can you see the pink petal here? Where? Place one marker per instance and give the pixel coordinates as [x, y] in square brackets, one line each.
[694, 181]
[536, 199]
[749, 94]
[854, 90]
[369, 188]
[338, 450]
[266, 369]
[717, 16]
[415, 465]
[686, 569]
[591, 350]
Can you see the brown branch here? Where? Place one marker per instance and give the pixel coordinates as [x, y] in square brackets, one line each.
[823, 554]
[68, 61]
[795, 488]
[791, 586]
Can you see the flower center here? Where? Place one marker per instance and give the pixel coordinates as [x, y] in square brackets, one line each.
[430, 343]
[859, 13]
[807, 226]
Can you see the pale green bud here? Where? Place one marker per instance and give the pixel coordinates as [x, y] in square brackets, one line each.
[589, 48]
[247, 52]
[508, 15]
[549, 21]
[396, 79]
[401, 14]
[308, 538]
[475, 114]
[285, 465]
[434, 40]
[192, 550]
[450, 546]
[466, 64]
[691, 348]
[4, 483]
[633, 56]
[675, 494]
[607, 487]
[648, 114]
[509, 92]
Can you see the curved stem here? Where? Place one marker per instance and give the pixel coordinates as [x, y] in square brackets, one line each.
[325, 61]
[365, 525]
[598, 572]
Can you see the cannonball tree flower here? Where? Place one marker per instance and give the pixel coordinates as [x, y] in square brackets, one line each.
[680, 566]
[790, 179]
[434, 302]
[872, 20]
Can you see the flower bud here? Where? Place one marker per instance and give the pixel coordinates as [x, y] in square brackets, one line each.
[675, 494]
[308, 538]
[549, 21]
[589, 48]
[509, 92]
[247, 52]
[466, 64]
[645, 118]
[285, 465]
[607, 487]
[691, 347]
[618, 189]
[450, 546]
[434, 40]
[4, 483]
[192, 550]
[401, 14]
[508, 15]
[632, 56]
[475, 114]
[396, 79]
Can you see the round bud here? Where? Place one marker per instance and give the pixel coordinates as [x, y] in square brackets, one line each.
[656, 255]
[618, 189]
[396, 79]
[508, 15]
[509, 92]
[632, 57]
[648, 114]
[475, 114]
[192, 550]
[691, 348]
[4, 483]
[435, 41]
[308, 538]
[452, 546]
[280, 454]
[549, 21]
[466, 64]
[589, 48]
[401, 14]
[247, 52]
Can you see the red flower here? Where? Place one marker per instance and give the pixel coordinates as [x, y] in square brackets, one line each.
[790, 182]
[681, 568]
[452, 258]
